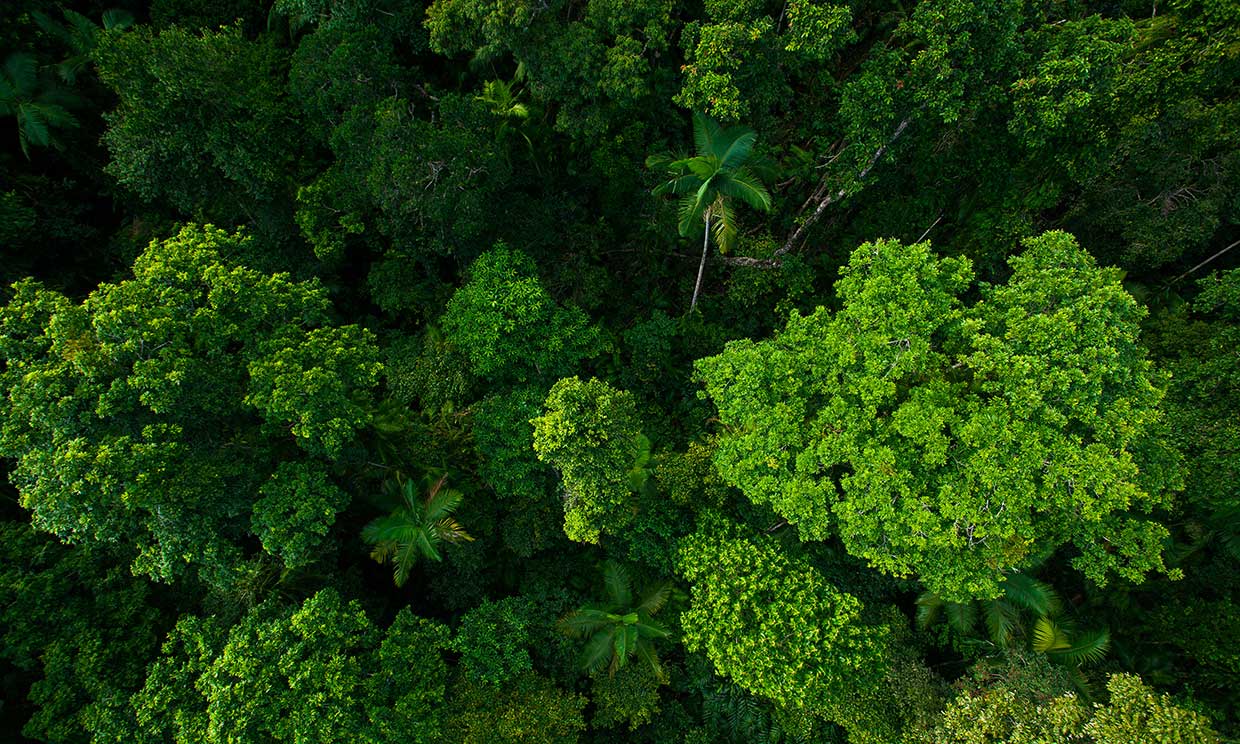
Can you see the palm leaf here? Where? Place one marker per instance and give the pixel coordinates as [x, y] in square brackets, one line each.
[744, 185]
[961, 616]
[585, 621]
[1030, 594]
[618, 585]
[21, 73]
[1048, 637]
[117, 19]
[1000, 619]
[739, 143]
[655, 599]
[442, 503]
[929, 607]
[705, 132]
[403, 562]
[648, 628]
[680, 185]
[597, 653]
[647, 653]
[723, 226]
[1088, 648]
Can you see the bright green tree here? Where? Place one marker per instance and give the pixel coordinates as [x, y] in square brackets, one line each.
[710, 182]
[778, 628]
[951, 442]
[185, 409]
[320, 672]
[509, 325]
[591, 433]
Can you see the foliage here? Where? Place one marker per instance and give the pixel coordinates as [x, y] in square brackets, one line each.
[509, 327]
[591, 433]
[181, 392]
[202, 122]
[746, 592]
[622, 626]
[529, 709]
[492, 641]
[416, 528]
[273, 675]
[952, 442]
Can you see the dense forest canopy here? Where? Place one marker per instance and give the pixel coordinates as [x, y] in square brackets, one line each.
[727, 371]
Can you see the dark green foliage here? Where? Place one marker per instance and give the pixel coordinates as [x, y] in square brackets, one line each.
[492, 641]
[870, 493]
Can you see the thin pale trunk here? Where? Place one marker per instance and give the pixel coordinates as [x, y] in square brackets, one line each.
[697, 287]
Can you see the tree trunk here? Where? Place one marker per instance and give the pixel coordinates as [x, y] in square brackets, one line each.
[697, 287]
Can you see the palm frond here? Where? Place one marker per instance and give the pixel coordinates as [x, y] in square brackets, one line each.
[929, 607]
[1000, 620]
[705, 132]
[597, 652]
[739, 143]
[585, 621]
[744, 185]
[655, 599]
[442, 503]
[723, 225]
[21, 73]
[618, 585]
[1030, 594]
[680, 185]
[1048, 637]
[1087, 648]
[117, 19]
[961, 616]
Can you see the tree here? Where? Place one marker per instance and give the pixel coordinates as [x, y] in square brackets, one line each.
[591, 433]
[202, 121]
[956, 443]
[270, 678]
[1007, 712]
[196, 404]
[528, 710]
[508, 325]
[1028, 611]
[708, 182]
[620, 627]
[746, 593]
[416, 528]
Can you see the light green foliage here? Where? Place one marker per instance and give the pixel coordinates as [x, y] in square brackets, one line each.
[314, 384]
[153, 440]
[777, 628]
[591, 433]
[77, 619]
[510, 327]
[202, 121]
[321, 672]
[493, 640]
[297, 506]
[1003, 713]
[949, 442]
[528, 710]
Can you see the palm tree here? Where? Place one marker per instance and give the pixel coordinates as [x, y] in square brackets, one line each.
[707, 183]
[1005, 620]
[619, 629]
[38, 107]
[416, 528]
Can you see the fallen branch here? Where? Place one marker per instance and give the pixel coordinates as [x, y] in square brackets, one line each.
[1203, 263]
